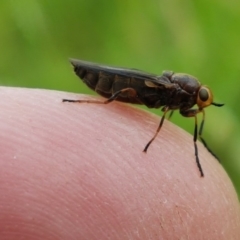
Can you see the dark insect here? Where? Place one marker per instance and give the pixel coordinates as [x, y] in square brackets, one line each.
[170, 91]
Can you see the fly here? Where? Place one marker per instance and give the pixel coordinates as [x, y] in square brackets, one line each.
[170, 91]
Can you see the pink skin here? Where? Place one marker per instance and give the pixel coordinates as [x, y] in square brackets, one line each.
[77, 171]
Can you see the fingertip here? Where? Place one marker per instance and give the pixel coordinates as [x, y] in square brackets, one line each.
[78, 171]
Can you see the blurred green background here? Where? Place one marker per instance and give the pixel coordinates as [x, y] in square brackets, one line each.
[201, 38]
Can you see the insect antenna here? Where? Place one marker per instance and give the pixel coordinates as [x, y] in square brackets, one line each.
[217, 104]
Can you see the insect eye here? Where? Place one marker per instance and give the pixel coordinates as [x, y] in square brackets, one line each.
[203, 94]
[205, 97]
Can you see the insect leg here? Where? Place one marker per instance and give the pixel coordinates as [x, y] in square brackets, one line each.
[158, 129]
[196, 148]
[200, 136]
[113, 97]
[170, 114]
[193, 113]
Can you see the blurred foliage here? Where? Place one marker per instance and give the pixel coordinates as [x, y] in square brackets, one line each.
[197, 37]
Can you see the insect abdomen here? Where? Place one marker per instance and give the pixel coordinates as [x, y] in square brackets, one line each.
[88, 77]
[103, 83]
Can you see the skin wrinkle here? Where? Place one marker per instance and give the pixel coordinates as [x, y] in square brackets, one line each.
[181, 220]
[145, 181]
[137, 179]
[113, 213]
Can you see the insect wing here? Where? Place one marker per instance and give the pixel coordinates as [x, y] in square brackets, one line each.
[81, 66]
